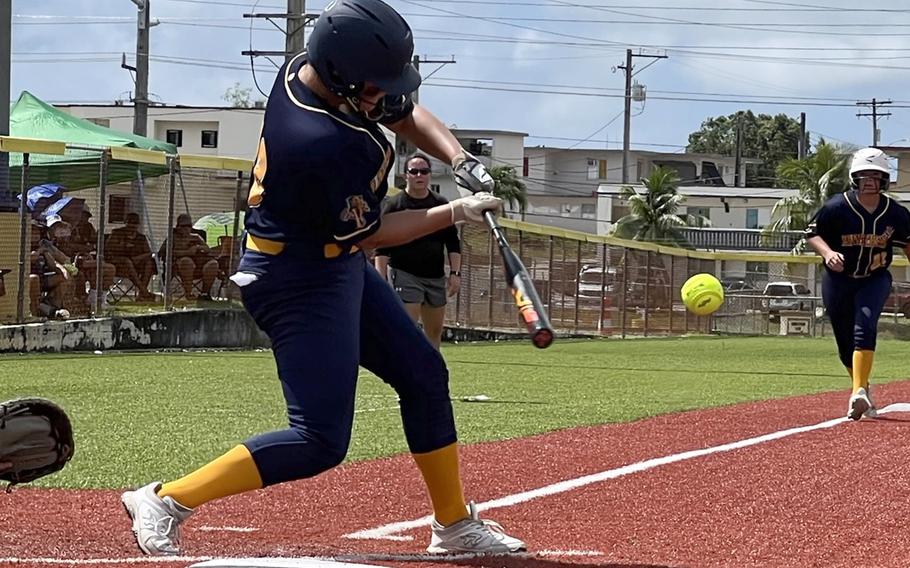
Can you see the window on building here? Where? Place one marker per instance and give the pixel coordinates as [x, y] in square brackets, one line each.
[209, 138]
[479, 146]
[588, 210]
[597, 169]
[703, 211]
[174, 137]
[525, 166]
[751, 218]
[434, 187]
[117, 208]
[105, 122]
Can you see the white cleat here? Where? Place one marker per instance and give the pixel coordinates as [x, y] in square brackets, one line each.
[156, 520]
[473, 535]
[859, 404]
[873, 411]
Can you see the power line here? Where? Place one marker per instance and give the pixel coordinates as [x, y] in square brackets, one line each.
[801, 7]
[665, 98]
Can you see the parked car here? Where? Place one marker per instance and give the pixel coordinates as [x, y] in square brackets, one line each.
[590, 279]
[786, 296]
[738, 286]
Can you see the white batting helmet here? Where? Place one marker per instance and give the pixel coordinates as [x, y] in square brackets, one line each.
[870, 159]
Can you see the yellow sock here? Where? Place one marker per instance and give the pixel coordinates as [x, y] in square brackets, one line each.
[862, 368]
[443, 478]
[234, 472]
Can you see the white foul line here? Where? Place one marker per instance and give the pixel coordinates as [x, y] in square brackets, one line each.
[285, 562]
[391, 530]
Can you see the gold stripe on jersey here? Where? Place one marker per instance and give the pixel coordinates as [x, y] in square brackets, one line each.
[259, 167]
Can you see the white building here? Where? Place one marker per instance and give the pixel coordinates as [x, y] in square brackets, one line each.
[492, 147]
[563, 183]
[217, 131]
[725, 207]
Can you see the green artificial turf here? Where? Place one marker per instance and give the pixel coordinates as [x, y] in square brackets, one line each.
[145, 416]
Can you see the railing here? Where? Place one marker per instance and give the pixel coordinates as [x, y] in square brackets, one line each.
[741, 239]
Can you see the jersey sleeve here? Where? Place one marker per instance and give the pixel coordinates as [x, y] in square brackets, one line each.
[822, 224]
[902, 231]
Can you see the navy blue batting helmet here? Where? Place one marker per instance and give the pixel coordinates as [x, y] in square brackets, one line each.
[355, 41]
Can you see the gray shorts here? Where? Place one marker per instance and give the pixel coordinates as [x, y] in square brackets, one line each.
[416, 290]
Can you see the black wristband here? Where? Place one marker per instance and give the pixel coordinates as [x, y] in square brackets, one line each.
[454, 273]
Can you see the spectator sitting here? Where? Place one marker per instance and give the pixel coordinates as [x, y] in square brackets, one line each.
[81, 245]
[192, 258]
[51, 282]
[129, 251]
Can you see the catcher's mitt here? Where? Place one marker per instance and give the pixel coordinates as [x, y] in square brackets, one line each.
[36, 439]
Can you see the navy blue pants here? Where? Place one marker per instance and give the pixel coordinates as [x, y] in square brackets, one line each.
[854, 306]
[324, 318]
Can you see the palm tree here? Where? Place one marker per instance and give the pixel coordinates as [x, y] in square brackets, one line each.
[817, 178]
[509, 187]
[654, 214]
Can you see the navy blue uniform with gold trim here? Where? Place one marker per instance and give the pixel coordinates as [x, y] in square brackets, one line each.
[320, 175]
[854, 298]
[318, 181]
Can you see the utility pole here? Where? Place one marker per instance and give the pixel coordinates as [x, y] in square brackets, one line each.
[739, 151]
[294, 41]
[803, 140]
[627, 122]
[296, 20]
[874, 103]
[7, 202]
[416, 60]
[141, 97]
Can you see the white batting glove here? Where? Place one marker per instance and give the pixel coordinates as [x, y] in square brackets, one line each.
[472, 207]
[470, 175]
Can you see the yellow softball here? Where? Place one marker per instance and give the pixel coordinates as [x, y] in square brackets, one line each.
[702, 294]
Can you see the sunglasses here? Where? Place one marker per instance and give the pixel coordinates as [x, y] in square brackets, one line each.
[419, 171]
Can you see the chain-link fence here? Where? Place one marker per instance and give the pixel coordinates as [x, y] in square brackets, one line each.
[97, 226]
[606, 286]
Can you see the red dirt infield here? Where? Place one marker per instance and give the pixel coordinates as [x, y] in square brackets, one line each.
[838, 495]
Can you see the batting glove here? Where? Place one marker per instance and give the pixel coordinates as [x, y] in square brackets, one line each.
[470, 175]
[472, 207]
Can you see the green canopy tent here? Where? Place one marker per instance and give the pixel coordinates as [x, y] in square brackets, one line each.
[31, 117]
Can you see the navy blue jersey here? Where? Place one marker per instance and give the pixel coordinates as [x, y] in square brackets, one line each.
[423, 257]
[865, 239]
[320, 174]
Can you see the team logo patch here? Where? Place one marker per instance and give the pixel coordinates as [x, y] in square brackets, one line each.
[356, 211]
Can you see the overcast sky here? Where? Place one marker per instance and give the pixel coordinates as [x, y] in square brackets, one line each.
[822, 56]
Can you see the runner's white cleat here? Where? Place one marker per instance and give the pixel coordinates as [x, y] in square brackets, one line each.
[156, 520]
[859, 404]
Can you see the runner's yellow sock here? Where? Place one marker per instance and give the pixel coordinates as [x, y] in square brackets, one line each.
[862, 368]
[234, 472]
[443, 478]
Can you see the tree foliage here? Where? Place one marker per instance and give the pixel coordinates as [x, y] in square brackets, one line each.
[509, 187]
[654, 215]
[817, 178]
[771, 139]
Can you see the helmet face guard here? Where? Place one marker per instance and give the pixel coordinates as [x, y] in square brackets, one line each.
[884, 181]
[388, 107]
